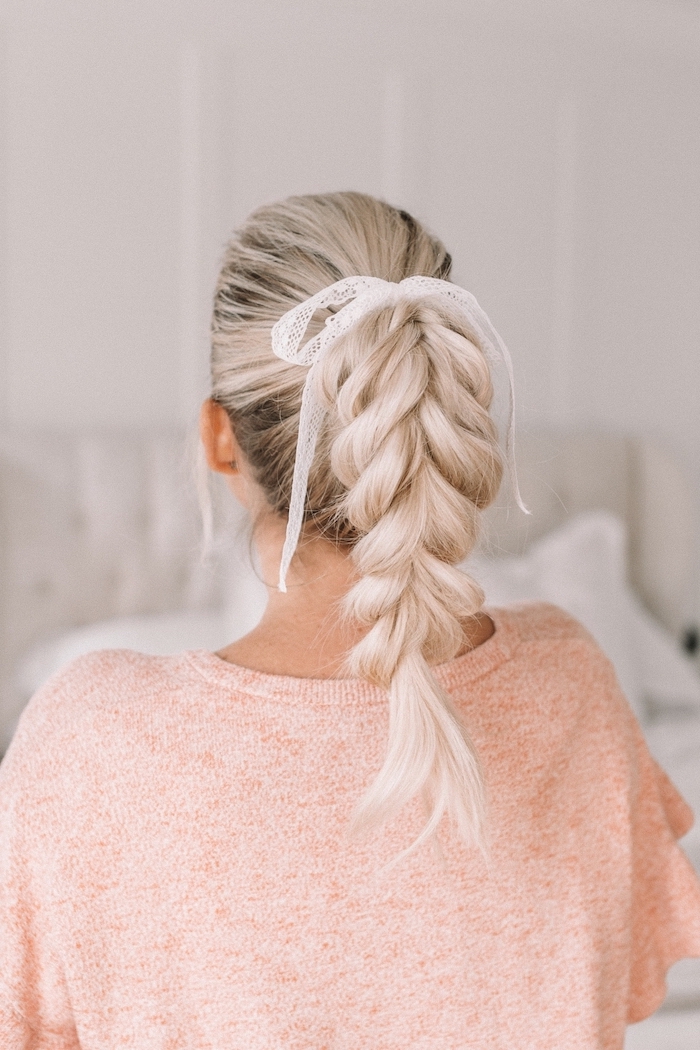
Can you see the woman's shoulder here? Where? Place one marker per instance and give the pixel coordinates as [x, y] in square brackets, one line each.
[82, 699]
[103, 674]
[542, 622]
[540, 662]
[555, 643]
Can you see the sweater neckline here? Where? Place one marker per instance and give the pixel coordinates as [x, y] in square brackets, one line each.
[491, 654]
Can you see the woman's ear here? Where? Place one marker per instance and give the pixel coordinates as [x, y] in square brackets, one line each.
[222, 451]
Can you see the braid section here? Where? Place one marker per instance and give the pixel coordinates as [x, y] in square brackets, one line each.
[414, 447]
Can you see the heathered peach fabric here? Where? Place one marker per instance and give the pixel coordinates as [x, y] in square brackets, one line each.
[175, 875]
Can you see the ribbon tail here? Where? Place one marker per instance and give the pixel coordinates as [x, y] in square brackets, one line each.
[310, 418]
[510, 438]
[498, 344]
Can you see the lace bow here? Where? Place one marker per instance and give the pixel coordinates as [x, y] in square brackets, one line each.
[365, 294]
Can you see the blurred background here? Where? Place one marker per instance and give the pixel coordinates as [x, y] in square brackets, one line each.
[554, 145]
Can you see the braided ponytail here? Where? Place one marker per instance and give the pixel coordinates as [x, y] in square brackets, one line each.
[416, 451]
[407, 457]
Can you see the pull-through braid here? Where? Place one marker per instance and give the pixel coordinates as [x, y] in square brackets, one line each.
[413, 445]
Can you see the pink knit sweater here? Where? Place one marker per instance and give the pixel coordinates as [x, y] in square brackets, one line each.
[174, 873]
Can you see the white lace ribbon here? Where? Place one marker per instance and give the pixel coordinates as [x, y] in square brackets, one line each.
[364, 294]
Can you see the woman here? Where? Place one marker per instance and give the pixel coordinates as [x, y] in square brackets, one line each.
[385, 818]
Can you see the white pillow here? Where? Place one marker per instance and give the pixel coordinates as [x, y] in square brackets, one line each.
[582, 568]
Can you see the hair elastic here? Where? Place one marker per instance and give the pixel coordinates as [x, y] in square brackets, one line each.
[362, 295]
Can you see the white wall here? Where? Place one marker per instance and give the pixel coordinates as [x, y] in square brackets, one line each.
[555, 146]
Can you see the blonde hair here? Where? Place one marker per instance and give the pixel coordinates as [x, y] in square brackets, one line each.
[407, 457]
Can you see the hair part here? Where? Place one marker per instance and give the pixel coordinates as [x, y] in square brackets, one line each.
[407, 457]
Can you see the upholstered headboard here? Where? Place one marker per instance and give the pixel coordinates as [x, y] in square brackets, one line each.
[93, 527]
[97, 526]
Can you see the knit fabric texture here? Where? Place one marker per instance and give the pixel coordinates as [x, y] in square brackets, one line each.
[175, 872]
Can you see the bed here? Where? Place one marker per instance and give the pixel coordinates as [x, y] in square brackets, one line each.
[100, 548]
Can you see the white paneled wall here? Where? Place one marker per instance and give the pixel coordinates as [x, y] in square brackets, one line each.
[93, 214]
[553, 144]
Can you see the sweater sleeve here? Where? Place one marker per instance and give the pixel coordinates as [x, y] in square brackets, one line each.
[35, 1009]
[665, 923]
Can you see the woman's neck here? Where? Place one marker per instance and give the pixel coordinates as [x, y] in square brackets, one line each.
[302, 632]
